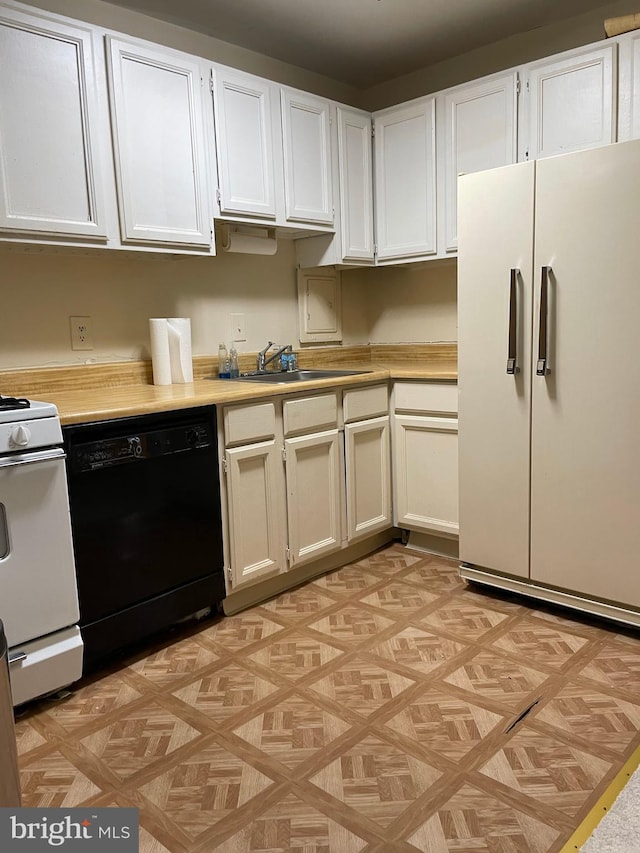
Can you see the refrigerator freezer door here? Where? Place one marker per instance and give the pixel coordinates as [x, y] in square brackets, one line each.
[585, 471]
[495, 226]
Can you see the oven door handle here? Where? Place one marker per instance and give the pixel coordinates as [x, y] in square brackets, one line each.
[33, 456]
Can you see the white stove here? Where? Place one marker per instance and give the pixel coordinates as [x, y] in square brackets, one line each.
[38, 594]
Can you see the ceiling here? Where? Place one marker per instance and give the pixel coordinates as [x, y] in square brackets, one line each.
[361, 42]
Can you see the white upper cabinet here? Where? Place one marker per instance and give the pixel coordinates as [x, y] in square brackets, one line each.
[479, 133]
[405, 180]
[307, 157]
[49, 174]
[356, 184]
[244, 143]
[158, 130]
[572, 102]
[629, 87]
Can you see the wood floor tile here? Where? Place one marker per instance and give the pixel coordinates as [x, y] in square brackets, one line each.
[547, 770]
[599, 718]
[347, 581]
[94, 701]
[473, 822]
[367, 711]
[54, 782]
[293, 731]
[242, 630]
[298, 604]
[223, 693]
[376, 779]
[292, 825]
[464, 619]
[175, 661]
[436, 577]
[352, 623]
[398, 597]
[497, 678]
[445, 723]
[533, 641]
[135, 741]
[616, 665]
[295, 655]
[204, 788]
[420, 651]
[361, 685]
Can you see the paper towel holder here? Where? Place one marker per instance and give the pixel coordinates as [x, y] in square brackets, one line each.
[250, 239]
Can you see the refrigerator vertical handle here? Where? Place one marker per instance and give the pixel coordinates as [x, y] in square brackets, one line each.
[542, 369]
[512, 352]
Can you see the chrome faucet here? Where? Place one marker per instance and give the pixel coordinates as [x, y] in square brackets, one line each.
[263, 361]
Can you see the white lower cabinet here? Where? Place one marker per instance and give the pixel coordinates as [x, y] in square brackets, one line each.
[256, 519]
[313, 468]
[289, 499]
[425, 457]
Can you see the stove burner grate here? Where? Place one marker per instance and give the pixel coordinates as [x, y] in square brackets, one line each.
[8, 403]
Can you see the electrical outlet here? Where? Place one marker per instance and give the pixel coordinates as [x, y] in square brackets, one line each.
[81, 333]
[237, 328]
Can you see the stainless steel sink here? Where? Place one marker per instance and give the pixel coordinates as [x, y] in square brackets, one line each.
[296, 375]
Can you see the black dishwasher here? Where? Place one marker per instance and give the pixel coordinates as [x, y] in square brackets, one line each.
[145, 515]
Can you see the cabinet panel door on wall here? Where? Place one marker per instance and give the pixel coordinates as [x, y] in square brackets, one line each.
[426, 473]
[49, 172]
[629, 87]
[244, 143]
[480, 133]
[158, 128]
[307, 157]
[356, 184]
[405, 184]
[572, 102]
[368, 468]
[314, 505]
[256, 522]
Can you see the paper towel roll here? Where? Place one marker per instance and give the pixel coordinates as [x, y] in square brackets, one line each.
[160, 358]
[250, 240]
[179, 330]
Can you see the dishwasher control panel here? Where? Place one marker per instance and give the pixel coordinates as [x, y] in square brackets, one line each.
[145, 445]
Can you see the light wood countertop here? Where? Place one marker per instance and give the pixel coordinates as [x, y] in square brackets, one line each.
[93, 392]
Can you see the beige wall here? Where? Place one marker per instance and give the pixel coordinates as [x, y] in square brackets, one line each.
[409, 304]
[507, 53]
[121, 290]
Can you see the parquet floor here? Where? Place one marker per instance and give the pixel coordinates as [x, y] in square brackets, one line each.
[369, 711]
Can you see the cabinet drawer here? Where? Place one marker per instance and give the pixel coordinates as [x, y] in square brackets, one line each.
[426, 396]
[307, 413]
[255, 422]
[365, 403]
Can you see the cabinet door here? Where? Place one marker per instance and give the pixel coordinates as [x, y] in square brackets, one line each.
[480, 133]
[405, 182]
[314, 506]
[426, 473]
[307, 157]
[356, 184]
[49, 176]
[157, 122]
[256, 511]
[244, 143]
[585, 462]
[572, 102]
[629, 87]
[368, 468]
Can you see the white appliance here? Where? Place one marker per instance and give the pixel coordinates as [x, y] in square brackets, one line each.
[549, 374]
[38, 595]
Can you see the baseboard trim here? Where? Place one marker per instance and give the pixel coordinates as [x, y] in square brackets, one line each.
[430, 544]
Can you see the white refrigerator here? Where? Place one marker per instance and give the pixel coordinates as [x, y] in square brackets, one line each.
[549, 374]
